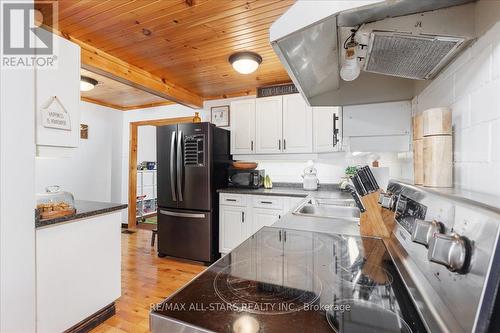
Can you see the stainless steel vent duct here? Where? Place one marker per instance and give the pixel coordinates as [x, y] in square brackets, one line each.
[409, 56]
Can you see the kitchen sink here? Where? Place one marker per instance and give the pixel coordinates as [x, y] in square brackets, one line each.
[330, 208]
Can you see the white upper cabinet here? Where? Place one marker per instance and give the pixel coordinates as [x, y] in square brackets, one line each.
[383, 127]
[58, 97]
[269, 125]
[297, 125]
[243, 126]
[327, 129]
[284, 125]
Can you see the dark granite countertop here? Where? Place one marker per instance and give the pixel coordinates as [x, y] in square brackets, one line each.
[83, 209]
[289, 190]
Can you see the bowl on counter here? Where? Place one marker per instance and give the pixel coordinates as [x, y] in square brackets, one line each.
[245, 165]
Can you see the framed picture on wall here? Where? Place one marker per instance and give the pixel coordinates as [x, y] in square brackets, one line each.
[219, 116]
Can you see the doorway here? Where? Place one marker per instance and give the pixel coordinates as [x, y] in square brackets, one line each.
[133, 167]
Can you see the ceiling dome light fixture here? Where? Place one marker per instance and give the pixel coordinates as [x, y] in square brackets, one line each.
[245, 62]
[87, 83]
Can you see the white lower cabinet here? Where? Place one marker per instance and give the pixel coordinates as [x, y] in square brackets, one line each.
[264, 217]
[77, 270]
[241, 215]
[232, 227]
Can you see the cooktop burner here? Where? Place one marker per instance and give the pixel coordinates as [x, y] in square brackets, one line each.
[238, 286]
[354, 316]
[283, 280]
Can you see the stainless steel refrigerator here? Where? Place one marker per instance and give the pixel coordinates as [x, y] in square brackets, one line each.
[192, 164]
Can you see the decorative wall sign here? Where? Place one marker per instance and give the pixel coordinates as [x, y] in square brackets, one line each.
[220, 115]
[56, 116]
[282, 89]
[84, 131]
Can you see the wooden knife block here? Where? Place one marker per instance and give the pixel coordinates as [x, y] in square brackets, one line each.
[375, 221]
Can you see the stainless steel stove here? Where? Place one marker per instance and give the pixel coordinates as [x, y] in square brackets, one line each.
[289, 280]
[284, 280]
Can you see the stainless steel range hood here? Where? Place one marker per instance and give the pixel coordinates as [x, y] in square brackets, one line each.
[406, 40]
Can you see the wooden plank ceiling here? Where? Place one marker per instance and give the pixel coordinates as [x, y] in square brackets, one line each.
[186, 42]
[115, 94]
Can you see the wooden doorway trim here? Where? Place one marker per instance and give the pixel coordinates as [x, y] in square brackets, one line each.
[132, 168]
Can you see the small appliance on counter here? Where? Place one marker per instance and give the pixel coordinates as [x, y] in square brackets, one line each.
[246, 178]
[147, 165]
[310, 178]
[54, 203]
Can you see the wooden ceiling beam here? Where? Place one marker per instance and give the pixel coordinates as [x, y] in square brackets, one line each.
[107, 65]
[95, 101]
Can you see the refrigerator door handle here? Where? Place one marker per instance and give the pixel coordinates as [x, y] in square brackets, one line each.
[180, 169]
[172, 166]
[177, 214]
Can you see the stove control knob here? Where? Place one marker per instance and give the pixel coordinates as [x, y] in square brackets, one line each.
[453, 251]
[422, 231]
[387, 201]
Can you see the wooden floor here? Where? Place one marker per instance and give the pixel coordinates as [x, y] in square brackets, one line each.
[146, 279]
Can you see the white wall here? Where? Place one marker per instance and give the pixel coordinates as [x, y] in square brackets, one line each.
[88, 172]
[17, 200]
[146, 143]
[471, 87]
[330, 167]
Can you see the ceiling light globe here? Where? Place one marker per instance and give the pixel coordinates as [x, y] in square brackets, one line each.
[87, 83]
[245, 66]
[245, 62]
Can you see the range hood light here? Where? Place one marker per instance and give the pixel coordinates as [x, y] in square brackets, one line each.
[350, 69]
[245, 62]
[87, 83]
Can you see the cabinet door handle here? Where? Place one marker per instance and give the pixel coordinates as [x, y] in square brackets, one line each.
[335, 130]
[267, 202]
[279, 144]
[251, 145]
[234, 200]
[279, 235]
[242, 217]
[284, 236]
[284, 144]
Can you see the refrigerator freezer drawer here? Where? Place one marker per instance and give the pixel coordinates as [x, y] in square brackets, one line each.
[185, 234]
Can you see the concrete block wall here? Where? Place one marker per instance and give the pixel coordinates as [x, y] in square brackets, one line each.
[470, 86]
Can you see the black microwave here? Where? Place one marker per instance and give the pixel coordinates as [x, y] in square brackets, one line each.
[246, 178]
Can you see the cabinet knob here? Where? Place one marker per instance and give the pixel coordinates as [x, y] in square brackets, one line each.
[453, 251]
[422, 231]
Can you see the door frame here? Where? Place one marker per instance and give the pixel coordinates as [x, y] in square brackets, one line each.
[132, 164]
